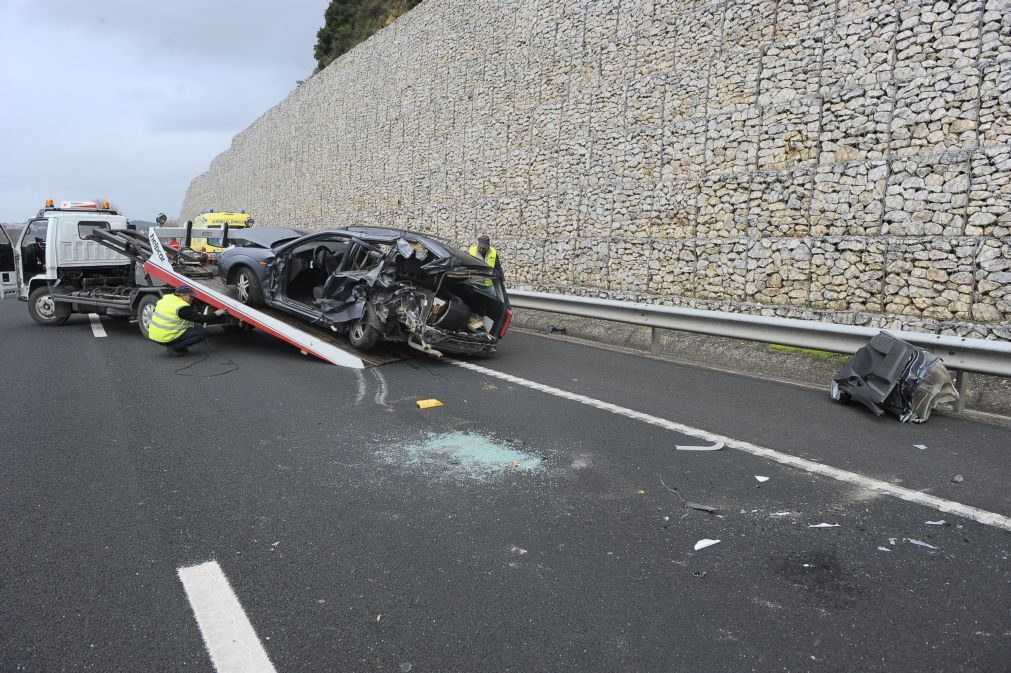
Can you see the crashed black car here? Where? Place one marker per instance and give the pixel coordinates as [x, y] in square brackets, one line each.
[374, 284]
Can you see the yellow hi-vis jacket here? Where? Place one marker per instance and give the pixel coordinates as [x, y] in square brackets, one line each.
[490, 259]
[166, 325]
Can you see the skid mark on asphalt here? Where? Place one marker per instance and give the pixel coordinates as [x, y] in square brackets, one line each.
[96, 326]
[909, 495]
[383, 391]
[230, 638]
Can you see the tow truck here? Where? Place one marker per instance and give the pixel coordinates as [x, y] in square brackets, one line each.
[83, 257]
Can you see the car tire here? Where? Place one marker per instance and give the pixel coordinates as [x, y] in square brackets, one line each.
[44, 310]
[247, 287]
[362, 335]
[145, 309]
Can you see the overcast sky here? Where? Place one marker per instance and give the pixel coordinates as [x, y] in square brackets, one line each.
[131, 99]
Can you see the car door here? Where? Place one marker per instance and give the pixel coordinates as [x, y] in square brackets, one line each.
[8, 273]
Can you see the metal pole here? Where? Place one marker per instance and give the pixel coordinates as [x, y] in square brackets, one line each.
[961, 378]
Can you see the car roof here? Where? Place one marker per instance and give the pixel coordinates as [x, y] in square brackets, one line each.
[438, 247]
[266, 236]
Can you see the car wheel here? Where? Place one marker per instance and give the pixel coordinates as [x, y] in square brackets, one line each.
[145, 310]
[44, 310]
[362, 335]
[247, 287]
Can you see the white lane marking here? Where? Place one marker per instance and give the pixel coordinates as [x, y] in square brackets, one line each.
[96, 326]
[383, 389]
[230, 638]
[909, 495]
[360, 380]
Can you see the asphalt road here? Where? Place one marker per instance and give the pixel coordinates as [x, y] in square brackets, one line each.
[508, 530]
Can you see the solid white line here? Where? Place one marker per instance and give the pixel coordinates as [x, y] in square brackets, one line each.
[940, 504]
[230, 638]
[96, 326]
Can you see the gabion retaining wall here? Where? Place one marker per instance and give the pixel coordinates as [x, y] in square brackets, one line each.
[841, 160]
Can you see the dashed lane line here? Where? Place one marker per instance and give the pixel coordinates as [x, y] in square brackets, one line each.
[909, 495]
[230, 638]
[96, 326]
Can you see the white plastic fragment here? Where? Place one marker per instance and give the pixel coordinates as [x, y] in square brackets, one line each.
[823, 525]
[920, 543]
[715, 447]
[702, 544]
[884, 549]
[761, 479]
[780, 514]
[936, 523]
[921, 447]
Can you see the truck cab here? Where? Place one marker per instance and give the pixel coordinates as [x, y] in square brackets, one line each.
[8, 274]
[53, 256]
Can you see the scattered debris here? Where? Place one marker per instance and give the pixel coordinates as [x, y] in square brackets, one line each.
[921, 447]
[552, 329]
[942, 522]
[715, 447]
[891, 375]
[920, 543]
[518, 551]
[958, 479]
[780, 514]
[823, 525]
[379, 618]
[891, 541]
[702, 544]
[701, 508]
[699, 573]
[884, 549]
[761, 479]
[429, 404]
[641, 492]
[406, 667]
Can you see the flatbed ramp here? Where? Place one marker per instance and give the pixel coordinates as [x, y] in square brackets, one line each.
[307, 338]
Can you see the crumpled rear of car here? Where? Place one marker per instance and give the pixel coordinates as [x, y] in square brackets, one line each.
[891, 375]
[432, 303]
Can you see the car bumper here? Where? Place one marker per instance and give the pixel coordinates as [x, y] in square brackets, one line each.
[453, 343]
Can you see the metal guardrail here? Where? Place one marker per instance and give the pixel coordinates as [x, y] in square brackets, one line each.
[961, 354]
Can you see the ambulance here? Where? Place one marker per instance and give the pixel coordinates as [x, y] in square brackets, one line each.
[217, 220]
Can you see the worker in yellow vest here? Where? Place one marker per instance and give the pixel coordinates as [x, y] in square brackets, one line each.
[483, 250]
[173, 323]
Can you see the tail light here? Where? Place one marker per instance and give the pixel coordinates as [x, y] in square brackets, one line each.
[505, 323]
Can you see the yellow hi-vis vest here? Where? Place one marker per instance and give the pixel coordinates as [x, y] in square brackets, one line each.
[490, 259]
[166, 325]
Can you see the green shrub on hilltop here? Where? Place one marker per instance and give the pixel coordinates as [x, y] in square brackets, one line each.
[349, 22]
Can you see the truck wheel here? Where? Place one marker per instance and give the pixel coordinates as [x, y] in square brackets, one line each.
[247, 287]
[44, 310]
[144, 312]
[363, 335]
[238, 329]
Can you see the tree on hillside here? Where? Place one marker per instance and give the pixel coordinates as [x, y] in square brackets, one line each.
[349, 22]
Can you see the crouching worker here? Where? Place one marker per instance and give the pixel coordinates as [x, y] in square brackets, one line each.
[173, 322]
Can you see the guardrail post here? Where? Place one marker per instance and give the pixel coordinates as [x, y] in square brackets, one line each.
[961, 378]
[654, 340]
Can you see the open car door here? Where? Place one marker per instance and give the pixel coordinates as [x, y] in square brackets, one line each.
[8, 274]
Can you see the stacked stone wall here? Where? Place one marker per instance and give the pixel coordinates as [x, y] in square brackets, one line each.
[843, 160]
